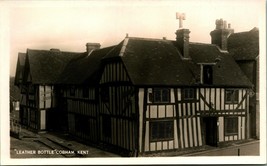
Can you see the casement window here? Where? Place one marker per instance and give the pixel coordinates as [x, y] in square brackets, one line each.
[188, 94]
[207, 74]
[104, 94]
[106, 126]
[230, 126]
[231, 96]
[160, 95]
[161, 130]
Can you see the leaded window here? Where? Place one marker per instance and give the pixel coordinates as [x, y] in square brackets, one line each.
[231, 96]
[161, 95]
[231, 125]
[189, 94]
[161, 130]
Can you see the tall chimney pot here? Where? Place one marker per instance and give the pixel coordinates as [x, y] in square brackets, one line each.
[221, 33]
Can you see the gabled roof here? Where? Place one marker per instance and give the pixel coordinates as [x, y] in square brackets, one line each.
[244, 45]
[45, 66]
[149, 62]
[158, 62]
[226, 72]
[84, 69]
[154, 62]
[20, 68]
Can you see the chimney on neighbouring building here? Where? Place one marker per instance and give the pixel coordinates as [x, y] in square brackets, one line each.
[182, 36]
[92, 46]
[221, 33]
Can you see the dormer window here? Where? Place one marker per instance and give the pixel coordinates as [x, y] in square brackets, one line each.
[206, 73]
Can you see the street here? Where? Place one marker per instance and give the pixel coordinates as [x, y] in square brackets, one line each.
[247, 149]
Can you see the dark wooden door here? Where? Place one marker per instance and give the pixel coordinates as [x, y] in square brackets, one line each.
[211, 130]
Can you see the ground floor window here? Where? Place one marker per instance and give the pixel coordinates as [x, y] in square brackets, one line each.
[161, 130]
[231, 125]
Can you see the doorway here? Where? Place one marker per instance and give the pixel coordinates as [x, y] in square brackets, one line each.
[211, 130]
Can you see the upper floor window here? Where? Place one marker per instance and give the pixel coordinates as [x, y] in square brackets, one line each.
[207, 75]
[161, 95]
[231, 96]
[188, 94]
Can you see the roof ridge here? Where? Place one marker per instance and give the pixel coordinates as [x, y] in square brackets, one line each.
[255, 29]
[149, 39]
[198, 43]
[29, 49]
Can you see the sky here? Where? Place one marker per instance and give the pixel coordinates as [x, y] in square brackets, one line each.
[69, 25]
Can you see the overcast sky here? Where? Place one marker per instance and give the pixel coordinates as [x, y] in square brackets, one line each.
[69, 25]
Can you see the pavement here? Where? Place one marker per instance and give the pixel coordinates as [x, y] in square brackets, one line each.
[248, 148]
[58, 145]
[51, 145]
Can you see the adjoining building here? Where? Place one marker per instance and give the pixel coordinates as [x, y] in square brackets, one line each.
[142, 95]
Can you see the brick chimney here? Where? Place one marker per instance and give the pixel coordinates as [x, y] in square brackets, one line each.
[221, 33]
[92, 46]
[182, 41]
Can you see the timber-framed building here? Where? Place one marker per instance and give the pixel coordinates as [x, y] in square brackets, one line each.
[141, 95]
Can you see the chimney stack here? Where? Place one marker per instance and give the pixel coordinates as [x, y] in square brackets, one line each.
[182, 41]
[221, 33]
[182, 37]
[92, 46]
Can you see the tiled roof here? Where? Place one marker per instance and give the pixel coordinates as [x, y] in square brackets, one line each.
[158, 62]
[149, 62]
[46, 66]
[244, 45]
[226, 72]
[155, 62]
[20, 68]
[84, 69]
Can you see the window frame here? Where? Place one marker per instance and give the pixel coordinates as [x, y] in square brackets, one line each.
[188, 91]
[204, 71]
[233, 127]
[168, 135]
[234, 96]
[155, 92]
